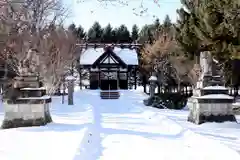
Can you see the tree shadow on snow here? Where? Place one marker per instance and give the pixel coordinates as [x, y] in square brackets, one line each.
[55, 127]
[143, 134]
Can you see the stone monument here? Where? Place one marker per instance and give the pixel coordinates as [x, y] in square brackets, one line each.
[25, 102]
[210, 101]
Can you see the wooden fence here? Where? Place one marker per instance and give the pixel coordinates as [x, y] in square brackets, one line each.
[185, 90]
[178, 96]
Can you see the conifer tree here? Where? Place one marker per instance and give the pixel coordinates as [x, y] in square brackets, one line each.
[114, 35]
[157, 24]
[185, 33]
[123, 35]
[72, 28]
[107, 36]
[134, 35]
[80, 32]
[95, 33]
[218, 27]
[147, 34]
[167, 23]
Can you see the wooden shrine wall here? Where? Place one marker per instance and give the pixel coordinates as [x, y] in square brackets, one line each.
[123, 80]
[109, 80]
[94, 80]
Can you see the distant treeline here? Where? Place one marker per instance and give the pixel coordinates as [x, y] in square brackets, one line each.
[121, 34]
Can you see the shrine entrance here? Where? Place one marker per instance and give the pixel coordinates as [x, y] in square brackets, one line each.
[108, 80]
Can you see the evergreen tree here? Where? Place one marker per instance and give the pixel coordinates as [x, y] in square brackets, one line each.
[134, 35]
[158, 28]
[95, 33]
[72, 28]
[123, 34]
[157, 23]
[80, 32]
[147, 34]
[210, 26]
[218, 27]
[185, 34]
[115, 35]
[207, 26]
[167, 24]
[107, 36]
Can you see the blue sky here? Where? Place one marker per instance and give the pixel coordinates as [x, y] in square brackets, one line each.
[89, 11]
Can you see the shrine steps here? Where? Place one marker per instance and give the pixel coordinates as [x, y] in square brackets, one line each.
[109, 94]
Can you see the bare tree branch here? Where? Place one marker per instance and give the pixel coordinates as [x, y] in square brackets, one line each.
[35, 41]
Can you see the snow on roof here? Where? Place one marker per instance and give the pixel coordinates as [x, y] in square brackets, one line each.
[90, 55]
[43, 97]
[41, 88]
[128, 56]
[215, 88]
[153, 78]
[69, 78]
[216, 96]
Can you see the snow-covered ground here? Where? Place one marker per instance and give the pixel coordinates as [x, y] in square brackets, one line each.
[121, 129]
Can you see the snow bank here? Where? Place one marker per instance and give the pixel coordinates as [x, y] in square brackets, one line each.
[58, 140]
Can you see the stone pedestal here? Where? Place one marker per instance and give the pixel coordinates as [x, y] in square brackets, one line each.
[210, 101]
[32, 111]
[30, 108]
[236, 106]
[211, 108]
[211, 104]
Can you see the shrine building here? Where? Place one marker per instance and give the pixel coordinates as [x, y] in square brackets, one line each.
[110, 67]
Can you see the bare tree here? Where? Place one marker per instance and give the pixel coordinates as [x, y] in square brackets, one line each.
[59, 56]
[166, 59]
[34, 36]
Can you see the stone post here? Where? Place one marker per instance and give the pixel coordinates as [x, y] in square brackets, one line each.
[70, 80]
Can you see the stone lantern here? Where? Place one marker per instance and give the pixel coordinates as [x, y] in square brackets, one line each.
[150, 100]
[70, 80]
[153, 84]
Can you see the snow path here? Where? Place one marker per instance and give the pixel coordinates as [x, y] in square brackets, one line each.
[124, 129]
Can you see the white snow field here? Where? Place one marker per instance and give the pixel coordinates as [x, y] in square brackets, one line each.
[124, 129]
